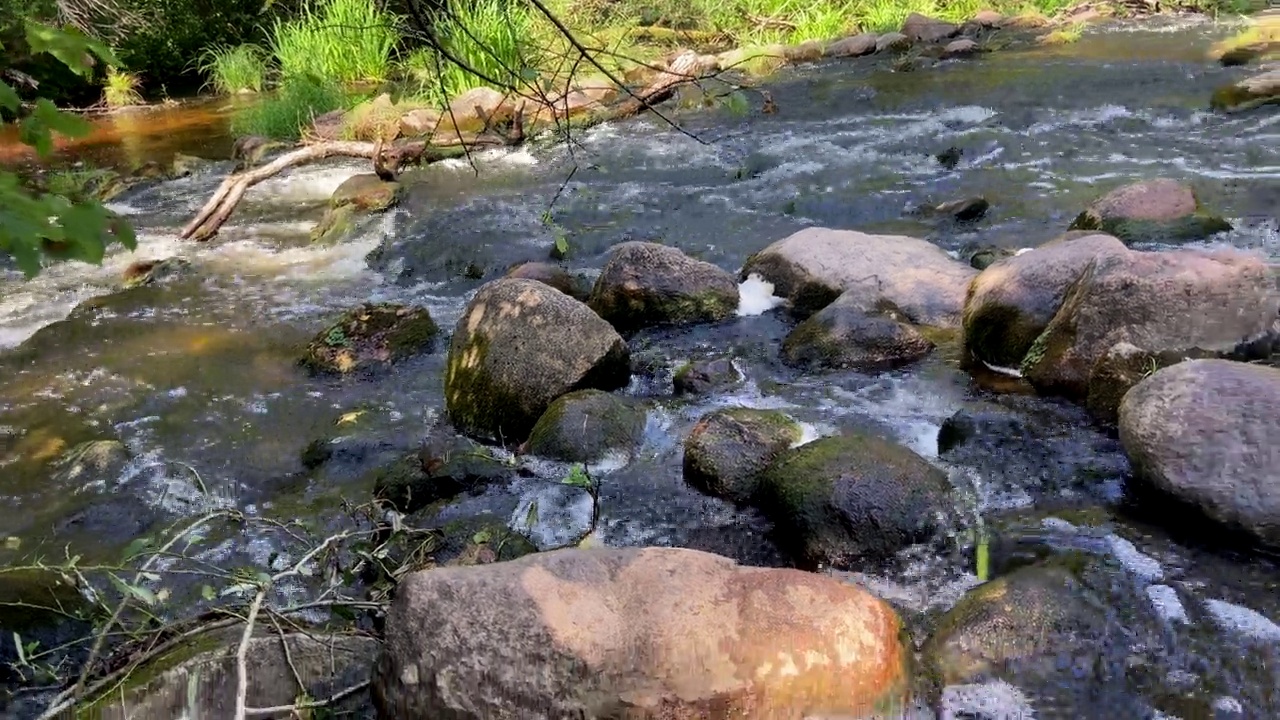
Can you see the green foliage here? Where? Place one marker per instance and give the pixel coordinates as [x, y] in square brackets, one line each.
[291, 110]
[491, 37]
[121, 89]
[33, 225]
[233, 69]
[167, 48]
[341, 41]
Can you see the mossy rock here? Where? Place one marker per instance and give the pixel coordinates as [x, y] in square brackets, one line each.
[553, 275]
[518, 346]
[703, 377]
[984, 257]
[446, 466]
[1247, 94]
[849, 498]
[585, 425]
[727, 450]
[371, 335]
[646, 284]
[1160, 210]
[358, 197]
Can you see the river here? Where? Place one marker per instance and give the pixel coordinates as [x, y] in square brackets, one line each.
[198, 378]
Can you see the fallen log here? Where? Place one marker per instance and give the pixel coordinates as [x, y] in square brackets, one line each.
[685, 67]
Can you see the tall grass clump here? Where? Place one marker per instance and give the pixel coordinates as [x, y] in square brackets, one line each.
[230, 70]
[343, 41]
[285, 115]
[495, 38]
[121, 89]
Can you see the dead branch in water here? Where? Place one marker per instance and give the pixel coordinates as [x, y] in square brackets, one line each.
[683, 68]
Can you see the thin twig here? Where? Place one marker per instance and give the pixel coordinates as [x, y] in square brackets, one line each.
[334, 698]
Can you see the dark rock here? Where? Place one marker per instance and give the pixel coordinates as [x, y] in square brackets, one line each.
[371, 335]
[892, 41]
[968, 209]
[848, 334]
[357, 197]
[555, 634]
[645, 284]
[727, 450]
[1159, 210]
[518, 346]
[984, 257]
[703, 377]
[446, 466]
[585, 425]
[850, 498]
[1262, 89]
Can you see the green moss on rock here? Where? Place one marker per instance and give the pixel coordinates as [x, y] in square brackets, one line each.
[647, 284]
[371, 335]
[852, 497]
[446, 466]
[727, 450]
[585, 425]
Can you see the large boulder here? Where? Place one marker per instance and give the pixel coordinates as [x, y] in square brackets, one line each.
[850, 335]
[852, 46]
[370, 335]
[728, 449]
[645, 284]
[518, 346]
[1013, 300]
[1158, 210]
[846, 498]
[635, 632]
[814, 266]
[1176, 301]
[586, 425]
[1207, 433]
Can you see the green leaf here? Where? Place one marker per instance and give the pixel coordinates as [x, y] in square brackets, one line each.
[562, 245]
[136, 547]
[482, 537]
[208, 593]
[45, 119]
[9, 99]
[70, 46]
[578, 477]
[136, 591]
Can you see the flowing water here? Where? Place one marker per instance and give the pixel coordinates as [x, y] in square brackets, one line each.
[198, 378]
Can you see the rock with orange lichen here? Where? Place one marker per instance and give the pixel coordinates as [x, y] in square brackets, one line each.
[518, 346]
[636, 633]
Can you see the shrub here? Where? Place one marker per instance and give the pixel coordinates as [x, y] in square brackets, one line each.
[342, 41]
[287, 113]
[121, 89]
[235, 69]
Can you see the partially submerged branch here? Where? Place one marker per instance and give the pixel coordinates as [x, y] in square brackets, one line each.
[685, 67]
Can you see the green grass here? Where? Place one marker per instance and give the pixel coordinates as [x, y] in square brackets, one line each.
[121, 89]
[235, 69]
[286, 114]
[496, 38]
[343, 41]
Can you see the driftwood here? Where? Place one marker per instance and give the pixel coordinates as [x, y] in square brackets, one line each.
[683, 68]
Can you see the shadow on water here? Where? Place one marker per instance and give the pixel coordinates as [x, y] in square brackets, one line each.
[198, 379]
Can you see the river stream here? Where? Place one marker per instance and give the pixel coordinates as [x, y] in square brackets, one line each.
[198, 378]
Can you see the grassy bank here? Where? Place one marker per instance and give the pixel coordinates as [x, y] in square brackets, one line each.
[317, 56]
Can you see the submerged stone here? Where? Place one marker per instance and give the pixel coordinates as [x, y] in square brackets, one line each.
[702, 377]
[357, 197]
[849, 334]
[371, 335]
